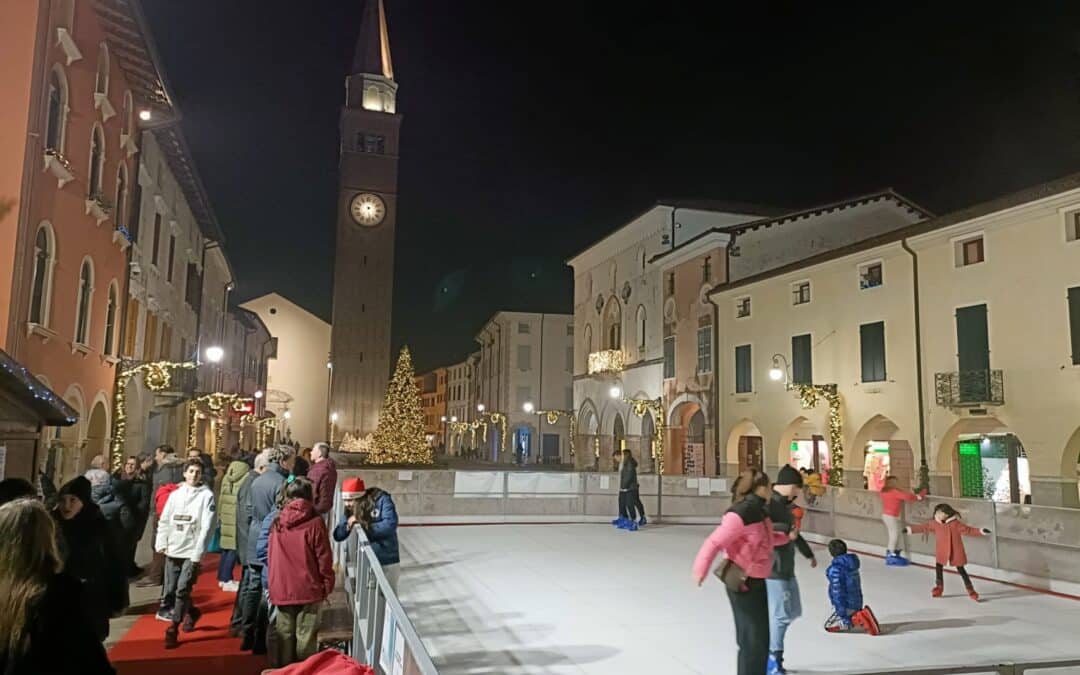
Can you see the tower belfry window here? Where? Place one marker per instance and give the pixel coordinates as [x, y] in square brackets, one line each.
[374, 144]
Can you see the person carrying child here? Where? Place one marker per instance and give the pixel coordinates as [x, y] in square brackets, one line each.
[948, 531]
[845, 593]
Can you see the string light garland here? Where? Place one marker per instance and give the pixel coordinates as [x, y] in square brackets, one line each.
[216, 404]
[553, 416]
[267, 423]
[809, 396]
[157, 376]
[399, 437]
[641, 407]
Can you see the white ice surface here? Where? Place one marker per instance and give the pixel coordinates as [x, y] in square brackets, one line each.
[509, 599]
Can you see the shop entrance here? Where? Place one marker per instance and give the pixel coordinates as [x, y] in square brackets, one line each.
[994, 467]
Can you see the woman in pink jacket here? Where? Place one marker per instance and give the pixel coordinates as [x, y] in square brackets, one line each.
[746, 536]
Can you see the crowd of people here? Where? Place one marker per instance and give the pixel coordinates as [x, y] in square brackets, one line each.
[759, 535]
[269, 514]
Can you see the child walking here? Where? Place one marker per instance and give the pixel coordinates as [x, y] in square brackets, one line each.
[949, 530]
[892, 501]
[845, 593]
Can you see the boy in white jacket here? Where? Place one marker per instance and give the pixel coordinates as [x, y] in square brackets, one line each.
[183, 533]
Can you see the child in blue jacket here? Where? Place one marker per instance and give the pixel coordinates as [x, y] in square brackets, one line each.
[845, 593]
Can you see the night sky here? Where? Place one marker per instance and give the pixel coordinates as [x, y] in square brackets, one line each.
[531, 129]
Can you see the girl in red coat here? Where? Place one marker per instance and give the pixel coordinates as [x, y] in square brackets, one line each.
[949, 531]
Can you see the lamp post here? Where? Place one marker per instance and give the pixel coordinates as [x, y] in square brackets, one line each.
[776, 373]
[329, 392]
[445, 420]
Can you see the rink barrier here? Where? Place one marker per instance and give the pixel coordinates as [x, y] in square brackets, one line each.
[1032, 667]
[383, 636]
[1032, 545]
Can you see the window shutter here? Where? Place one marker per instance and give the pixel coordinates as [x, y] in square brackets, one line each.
[744, 383]
[872, 349]
[802, 370]
[1074, 323]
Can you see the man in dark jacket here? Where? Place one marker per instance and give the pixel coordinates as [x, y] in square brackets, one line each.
[629, 499]
[323, 475]
[785, 605]
[261, 500]
[169, 469]
[243, 523]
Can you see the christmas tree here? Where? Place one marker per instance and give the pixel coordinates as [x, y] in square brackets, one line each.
[399, 438]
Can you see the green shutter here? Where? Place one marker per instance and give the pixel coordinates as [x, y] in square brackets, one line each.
[744, 382]
[1074, 323]
[802, 369]
[872, 348]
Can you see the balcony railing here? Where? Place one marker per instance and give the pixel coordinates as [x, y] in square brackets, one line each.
[969, 388]
[607, 361]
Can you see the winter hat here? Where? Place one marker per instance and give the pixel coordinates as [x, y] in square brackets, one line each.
[78, 487]
[352, 487]
[788, 475]
[97, 477]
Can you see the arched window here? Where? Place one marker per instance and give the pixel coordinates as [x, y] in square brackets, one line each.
[640, 323]
[41, 285]
[587, 340]
[97, 162]
[121, 197]
[110, 322]
[56, 112]
[86, 287]
[101, 81]
[372, 100]
[613, 325]
[129, 114]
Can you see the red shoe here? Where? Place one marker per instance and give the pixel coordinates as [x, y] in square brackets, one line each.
[973, 594]
[938, 590]
[865, 618]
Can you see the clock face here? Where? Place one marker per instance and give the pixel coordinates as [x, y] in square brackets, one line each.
[367, 209]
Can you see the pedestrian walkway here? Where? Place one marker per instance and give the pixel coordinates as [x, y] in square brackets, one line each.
[515, 599]
[208, 650]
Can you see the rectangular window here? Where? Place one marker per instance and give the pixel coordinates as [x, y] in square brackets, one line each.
[150, 339]
[166, 341]
[570, 330]
[970, 251]
[569, 359]
[172, 258]
[569, 398]
[800, 293]
[131, 327]
[156, 247]
[742, 308]
[524, 357]
[704, 349]
[523, 329]
[524, 395]
[744, 377]
[669, 357]
[802, 369]
[671, 283]
[1073, 231]
[1074, 323]
[870, 276]
[373, 144]
[706, 270]
[872, 349]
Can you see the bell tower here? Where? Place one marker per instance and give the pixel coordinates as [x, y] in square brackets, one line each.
[367, 214]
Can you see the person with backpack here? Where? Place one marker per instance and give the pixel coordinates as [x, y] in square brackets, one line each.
[183, 534]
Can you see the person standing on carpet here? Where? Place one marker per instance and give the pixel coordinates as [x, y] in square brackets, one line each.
[91, 555]
[183, 533]
[260, 502]
[300, 574]
[259, 464]
[38, 631]
[227, 516]
[168, 470]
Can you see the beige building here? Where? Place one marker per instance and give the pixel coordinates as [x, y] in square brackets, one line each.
[986, 299]
[299, 379]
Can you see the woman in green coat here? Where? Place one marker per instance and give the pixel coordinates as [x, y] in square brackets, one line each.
[227, 517]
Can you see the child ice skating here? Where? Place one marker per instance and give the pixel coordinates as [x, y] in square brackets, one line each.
[892, 501]
[845, 593]
[949, 530]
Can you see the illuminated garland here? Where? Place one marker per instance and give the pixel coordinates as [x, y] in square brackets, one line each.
[215, 403]
[247, 419]
[482, 424]
[268, 423]
[553, 419]
[640, 407]
[157, 376]
[500, 419]
[809, 396]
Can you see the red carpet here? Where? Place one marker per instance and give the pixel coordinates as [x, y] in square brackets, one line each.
[208, 650]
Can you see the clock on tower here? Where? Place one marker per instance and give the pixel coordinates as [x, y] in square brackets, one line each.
[367, 207]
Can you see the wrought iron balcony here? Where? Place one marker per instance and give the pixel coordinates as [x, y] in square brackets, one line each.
[607, 361]
[970, 388]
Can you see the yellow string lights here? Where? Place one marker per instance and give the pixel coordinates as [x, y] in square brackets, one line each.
[642, 407]
[157, 376]
[399, 437]
[216, 403]
[809, 396]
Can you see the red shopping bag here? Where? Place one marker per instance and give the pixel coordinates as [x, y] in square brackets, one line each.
[326, 662]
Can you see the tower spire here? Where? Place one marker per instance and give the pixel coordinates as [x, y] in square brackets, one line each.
[373, 45]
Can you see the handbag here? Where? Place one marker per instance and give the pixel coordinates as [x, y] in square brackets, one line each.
[215, 542]
[733, 576]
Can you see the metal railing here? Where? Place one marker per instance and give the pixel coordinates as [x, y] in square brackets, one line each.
[1033, 667]
[383, 636]
[969, 388]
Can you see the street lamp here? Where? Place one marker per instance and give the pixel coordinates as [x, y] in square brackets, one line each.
[480, 408]
[215, 354]
[528, 407]
[615, 391]
[776, 373]
[258, 394]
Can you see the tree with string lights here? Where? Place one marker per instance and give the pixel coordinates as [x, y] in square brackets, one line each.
[400, 436]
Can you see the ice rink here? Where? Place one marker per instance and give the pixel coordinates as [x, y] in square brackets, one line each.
[593, 599]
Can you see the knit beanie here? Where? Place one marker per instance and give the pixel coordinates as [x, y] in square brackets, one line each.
[788, 475]
[78, 487]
